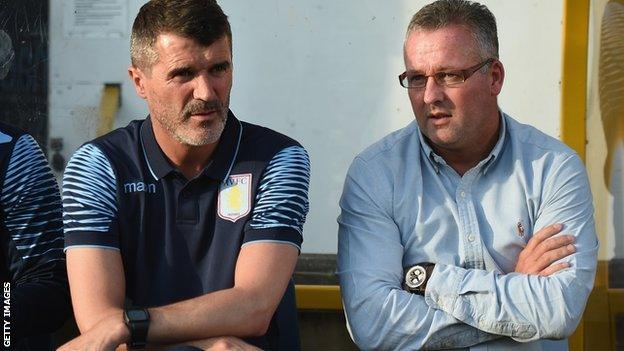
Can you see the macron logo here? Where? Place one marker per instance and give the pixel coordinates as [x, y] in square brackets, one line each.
[139, 187]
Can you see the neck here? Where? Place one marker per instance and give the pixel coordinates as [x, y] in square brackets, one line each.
[465, 158]
[190, 160]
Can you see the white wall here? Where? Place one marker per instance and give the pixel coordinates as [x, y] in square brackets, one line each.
[322, 71]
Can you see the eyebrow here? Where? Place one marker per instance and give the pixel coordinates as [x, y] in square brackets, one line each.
[441, 69]
[224, 63]
[179, 70]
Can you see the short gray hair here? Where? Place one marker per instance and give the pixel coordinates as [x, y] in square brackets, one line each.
[476, 17]
[199, 20]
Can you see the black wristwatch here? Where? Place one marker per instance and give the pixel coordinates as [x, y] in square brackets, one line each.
[137, 320]
[416, 277]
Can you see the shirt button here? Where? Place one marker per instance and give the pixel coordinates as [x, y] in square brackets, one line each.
[462, 194]
[471, 238]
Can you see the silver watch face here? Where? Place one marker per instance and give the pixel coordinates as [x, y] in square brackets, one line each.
[415, 277]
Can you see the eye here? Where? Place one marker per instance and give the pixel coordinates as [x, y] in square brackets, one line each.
[220, 68]
[416, 80]
[449, 78]
[182, 74]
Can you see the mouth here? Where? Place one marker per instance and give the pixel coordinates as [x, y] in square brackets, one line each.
[204, 115]
[439, 118]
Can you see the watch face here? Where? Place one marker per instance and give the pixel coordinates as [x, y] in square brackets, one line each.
[415, 277]
[136, 315]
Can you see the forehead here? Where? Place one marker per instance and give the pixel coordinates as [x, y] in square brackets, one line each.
[448, 47]
[172, 49]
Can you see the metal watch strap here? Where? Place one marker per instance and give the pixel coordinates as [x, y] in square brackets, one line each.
[138, 328]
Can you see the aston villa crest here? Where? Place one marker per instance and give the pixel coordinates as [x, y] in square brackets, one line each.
[234, 200]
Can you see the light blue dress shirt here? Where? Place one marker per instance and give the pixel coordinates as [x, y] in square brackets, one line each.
[402, 205]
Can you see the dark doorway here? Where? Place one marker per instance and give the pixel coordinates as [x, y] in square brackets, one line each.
[24, 91]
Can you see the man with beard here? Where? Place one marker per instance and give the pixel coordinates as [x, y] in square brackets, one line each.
[185, 227]
[465, 228]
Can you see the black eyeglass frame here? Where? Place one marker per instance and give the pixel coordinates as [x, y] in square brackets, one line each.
[464, 73]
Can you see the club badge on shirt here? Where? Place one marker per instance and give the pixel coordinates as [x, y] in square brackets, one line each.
[234, 201]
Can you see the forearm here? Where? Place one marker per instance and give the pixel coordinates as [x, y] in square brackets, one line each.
[383, 316]
[524, 307]
[263, 271]
[234, 312]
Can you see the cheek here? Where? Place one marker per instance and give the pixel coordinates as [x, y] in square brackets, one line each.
[169, 100]
[416, 99]
[223, 87]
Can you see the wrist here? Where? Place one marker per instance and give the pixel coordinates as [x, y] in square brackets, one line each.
[137, 322]
[416, 277]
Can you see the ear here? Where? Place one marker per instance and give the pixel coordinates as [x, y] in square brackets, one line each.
[138, 78]
[498, 77]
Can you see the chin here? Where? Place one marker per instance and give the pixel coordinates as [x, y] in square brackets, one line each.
[209, 137]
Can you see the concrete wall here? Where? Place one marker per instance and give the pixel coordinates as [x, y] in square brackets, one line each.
[321, 71]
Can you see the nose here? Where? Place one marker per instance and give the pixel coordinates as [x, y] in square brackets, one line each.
[204, 88]
[433, 92]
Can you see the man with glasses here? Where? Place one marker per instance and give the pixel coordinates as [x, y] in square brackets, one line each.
[465, 229]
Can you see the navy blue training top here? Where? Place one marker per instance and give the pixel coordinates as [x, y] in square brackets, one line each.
[32, 263]
[180, 238]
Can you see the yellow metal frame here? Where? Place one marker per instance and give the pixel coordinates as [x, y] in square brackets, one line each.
[109, 105]
[574, 96]
[318, 297]
[574, 74]
[596, 331]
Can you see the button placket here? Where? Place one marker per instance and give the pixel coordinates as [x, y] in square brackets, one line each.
[473, 234]
[188, 206]
[465, 228]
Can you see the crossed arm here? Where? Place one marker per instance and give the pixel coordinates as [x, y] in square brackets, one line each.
[543, 298]
[97, 284]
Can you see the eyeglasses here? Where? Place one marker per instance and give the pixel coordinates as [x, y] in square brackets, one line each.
[412, 80]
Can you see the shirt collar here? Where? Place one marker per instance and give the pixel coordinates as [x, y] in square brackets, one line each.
[437, 161]
[223, 156]
[498, 147]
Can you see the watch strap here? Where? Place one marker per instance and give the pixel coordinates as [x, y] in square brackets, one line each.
[138, 327]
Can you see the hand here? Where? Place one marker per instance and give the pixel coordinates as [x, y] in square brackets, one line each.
[109, 333]
[224, 343]
[542, 250]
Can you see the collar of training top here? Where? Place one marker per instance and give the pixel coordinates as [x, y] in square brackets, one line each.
[222, 159]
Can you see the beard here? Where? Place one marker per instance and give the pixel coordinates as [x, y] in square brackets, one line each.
[183, 130]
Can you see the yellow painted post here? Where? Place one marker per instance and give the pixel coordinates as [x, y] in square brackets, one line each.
[574, 95]
[574, 74]
[318, 297]
[109, 105]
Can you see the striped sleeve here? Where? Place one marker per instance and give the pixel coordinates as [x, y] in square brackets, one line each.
[32, 205]
[281, 204]
[89, 200]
